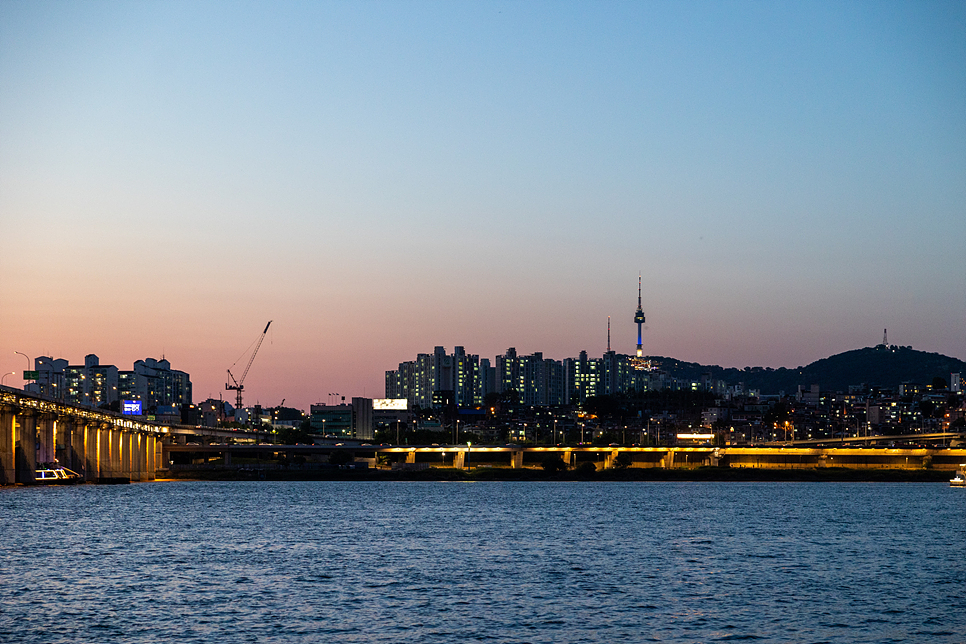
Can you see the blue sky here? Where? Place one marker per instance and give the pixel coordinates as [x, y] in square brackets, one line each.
[383, 177]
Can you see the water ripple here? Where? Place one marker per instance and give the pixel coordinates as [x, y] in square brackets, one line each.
[503, 561]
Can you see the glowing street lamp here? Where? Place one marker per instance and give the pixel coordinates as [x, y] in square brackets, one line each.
[5, 375]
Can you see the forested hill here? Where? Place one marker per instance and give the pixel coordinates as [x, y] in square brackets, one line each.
[880, 366]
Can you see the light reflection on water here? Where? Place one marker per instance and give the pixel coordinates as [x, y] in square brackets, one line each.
[501, 561]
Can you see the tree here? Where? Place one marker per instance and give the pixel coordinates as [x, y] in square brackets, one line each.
[622, 461]
[293, 435]
[587, 468]
[552, 463]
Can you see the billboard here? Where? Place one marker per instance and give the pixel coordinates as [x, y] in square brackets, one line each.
[131, 407]
[394, 404]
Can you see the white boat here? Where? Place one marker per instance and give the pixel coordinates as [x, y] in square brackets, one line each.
[55, 476]
[960, 479]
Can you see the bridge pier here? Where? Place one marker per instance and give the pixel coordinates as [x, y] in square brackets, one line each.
[93, 449]
[62, 440]
[139, 472]
[127, 463]
[46, 445]
[410, 457]
[569, 458]
[8, 440]
[74, 459]
[668, 461]
[516, 459]
[26, 446]
[155, 455]
[609, 459]
[114, 443]
[459, 460]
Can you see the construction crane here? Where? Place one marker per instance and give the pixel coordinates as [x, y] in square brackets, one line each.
[239, 385]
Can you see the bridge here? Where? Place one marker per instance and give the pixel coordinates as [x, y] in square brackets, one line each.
[603, 457]
[103, 446]
[100, 445]
[932, 438]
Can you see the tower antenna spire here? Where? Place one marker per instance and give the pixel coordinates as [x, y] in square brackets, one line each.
[608, 334]
[639, 319]
[639, 362]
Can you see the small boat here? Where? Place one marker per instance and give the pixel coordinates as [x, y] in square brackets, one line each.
[55, 476]
[960, 479]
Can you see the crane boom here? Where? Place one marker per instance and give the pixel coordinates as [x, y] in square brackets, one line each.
[239, 385]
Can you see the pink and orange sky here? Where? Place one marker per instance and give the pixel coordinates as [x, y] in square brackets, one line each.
[382, 178]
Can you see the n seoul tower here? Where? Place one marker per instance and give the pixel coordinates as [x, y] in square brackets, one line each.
[639, 362]
[639, 319]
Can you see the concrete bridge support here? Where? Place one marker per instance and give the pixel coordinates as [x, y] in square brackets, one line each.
[124, 451]
[78, 445]
[117, 462]
[410, 457]
[516, 459]
[668, 461]
[459, 460]
[63, 434]
[8, 441]
[155, 454]
[46, 440]
[141, 447]
[26, 446]
[569, 458]
[147, 454]
[609, 459]
[92, 444]
[137, 467]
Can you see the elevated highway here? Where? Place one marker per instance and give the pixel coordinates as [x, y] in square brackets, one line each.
[97, 444]
[463, 456]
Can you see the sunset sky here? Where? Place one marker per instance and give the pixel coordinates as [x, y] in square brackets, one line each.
[379, 178]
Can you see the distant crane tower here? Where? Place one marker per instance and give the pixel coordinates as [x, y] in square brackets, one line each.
[239, 385]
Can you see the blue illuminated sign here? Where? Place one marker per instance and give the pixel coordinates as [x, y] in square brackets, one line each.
[131, 407]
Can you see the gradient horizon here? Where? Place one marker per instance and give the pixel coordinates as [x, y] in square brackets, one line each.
[380, 179]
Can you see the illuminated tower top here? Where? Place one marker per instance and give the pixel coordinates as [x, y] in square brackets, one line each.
[639, 319]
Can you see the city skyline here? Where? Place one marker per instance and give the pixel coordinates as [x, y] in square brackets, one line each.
[380, 179]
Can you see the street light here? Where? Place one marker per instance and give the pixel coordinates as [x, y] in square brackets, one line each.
[27, 358]
[5, 375]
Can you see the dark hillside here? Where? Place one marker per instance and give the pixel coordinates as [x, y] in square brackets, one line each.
[880, 366]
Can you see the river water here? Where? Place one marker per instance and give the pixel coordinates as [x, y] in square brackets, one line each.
[489, 561]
